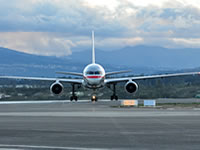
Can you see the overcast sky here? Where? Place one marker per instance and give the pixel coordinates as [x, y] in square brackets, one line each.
[59, 27]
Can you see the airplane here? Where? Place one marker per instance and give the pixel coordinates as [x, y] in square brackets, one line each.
[94, 77]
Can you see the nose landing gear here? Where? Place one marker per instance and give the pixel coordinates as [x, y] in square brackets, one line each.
[94, 98]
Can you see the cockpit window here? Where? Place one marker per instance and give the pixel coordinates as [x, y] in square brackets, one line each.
[90, 72]
[97, 72]
[94, 72]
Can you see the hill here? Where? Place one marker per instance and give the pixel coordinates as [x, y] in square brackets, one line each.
[146, 56]
[140, 59]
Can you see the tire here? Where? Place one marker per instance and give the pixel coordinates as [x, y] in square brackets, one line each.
[116, 98]
[112, 97]
[71, 98]
[76, 98]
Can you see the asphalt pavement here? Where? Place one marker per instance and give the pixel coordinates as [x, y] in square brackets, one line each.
[96, 126]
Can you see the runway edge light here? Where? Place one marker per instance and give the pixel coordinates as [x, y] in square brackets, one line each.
[129, 103]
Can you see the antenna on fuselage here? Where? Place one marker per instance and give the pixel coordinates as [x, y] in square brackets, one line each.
[93, 48]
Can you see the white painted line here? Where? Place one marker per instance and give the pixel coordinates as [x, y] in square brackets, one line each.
[31, 102]
[10, 149]
[46, 147]
[101, 114]
[47, 101]
[36, 102]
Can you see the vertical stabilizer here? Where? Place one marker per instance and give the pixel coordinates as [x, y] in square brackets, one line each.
[93, 48]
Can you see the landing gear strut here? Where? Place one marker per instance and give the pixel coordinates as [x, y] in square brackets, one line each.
[114, 96]
[73, 97]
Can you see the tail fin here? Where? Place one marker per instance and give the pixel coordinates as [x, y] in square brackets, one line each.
[93, 48]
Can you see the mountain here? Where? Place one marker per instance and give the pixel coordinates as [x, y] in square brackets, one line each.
[18, 63]
[140, 59]
[146, 56]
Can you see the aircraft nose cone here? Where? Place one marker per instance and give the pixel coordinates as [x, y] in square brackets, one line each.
[94, 81]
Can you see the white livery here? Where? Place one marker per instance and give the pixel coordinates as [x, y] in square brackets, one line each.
[95, 77]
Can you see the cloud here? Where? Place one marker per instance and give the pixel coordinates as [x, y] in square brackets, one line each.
[191, 43]
[107, 43]
[36, 43]
[71, 16]
[58, 27]
[159, 25]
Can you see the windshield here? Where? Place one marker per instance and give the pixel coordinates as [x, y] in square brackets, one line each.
[94, 73]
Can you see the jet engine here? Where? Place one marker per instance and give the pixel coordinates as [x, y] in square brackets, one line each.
[131, 87]
[56, 88]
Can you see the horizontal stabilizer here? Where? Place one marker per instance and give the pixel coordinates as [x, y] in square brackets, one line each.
[70, 73]
[117, 72]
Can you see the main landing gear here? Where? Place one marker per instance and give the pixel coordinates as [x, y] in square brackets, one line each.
[114, 96]
[73, 97]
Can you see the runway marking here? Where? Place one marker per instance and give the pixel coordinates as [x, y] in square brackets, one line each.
[48, 101]
[103, 114]
[36, 102]
[17, 147]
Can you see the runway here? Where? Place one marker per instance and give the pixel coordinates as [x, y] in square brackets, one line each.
[97, 126]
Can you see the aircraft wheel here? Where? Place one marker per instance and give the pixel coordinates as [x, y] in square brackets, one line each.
[94, 99]
[112, 97]
[76, 98]
[71, 98]
[116, 98]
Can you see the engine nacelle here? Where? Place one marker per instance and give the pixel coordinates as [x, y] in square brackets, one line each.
[56, 88]
[131, 87]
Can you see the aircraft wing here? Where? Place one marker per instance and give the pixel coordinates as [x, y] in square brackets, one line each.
[115, 80]
[70, 73]
[117, 72]
[75, 81]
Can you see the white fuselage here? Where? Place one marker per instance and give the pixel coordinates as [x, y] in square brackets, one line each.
[93, 75]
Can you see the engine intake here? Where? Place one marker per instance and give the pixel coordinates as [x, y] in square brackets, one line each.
[56, 88]
[131, 87]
